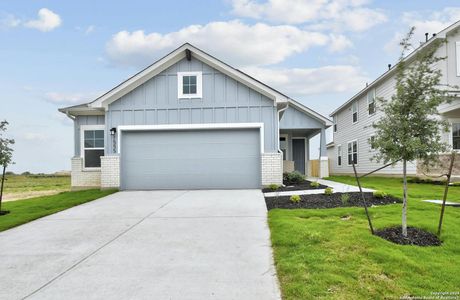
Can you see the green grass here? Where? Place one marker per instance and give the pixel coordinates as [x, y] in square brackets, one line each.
[21, 183]
[319, 255]
[23, 211]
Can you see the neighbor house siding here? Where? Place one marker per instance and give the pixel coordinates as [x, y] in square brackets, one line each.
[224, 101]
[84, 120]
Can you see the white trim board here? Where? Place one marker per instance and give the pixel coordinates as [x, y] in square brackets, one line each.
[206, 126]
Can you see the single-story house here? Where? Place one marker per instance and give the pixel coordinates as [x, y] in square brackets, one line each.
[191, 121]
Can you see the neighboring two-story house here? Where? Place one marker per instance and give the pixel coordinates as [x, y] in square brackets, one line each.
[191, 121]
[352, 121]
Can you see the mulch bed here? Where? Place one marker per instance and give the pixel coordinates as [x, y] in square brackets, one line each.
[328, 201]
[415, 236]
[305, 185]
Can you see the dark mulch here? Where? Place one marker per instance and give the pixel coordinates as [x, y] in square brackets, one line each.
[305, 185]
[325, 201]
[415, 236]
[4, 212]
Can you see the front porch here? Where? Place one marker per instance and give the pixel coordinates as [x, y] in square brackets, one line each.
[297, 131]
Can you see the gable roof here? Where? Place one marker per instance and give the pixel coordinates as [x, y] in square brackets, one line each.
[440, 35]
[100, 104]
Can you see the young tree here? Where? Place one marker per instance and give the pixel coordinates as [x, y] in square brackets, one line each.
[411, 127]
[6, 154]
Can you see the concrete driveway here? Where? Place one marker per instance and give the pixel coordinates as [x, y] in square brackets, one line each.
[144, 245]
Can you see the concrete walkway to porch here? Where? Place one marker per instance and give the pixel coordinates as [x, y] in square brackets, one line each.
[336, 186]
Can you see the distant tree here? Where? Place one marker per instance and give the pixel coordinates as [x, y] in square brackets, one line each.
[26, 173]
[6, 155]
[410, 128]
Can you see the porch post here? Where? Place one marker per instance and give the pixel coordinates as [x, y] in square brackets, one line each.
[323, 159]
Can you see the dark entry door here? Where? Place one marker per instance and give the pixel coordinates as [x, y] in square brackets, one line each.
[298, 152]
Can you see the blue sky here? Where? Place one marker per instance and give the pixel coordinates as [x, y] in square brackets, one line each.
[59, 53]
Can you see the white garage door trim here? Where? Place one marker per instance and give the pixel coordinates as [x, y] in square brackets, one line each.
[210, 126]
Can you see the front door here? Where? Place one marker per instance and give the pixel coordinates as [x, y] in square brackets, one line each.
[298, 153]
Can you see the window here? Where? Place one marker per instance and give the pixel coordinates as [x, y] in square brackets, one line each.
[371, 141]
[352, 152]
[334, 120]
[456, 136]
[189, 84]
[371, 101]
[339, 155]
[92, 145]
[457, 52]
[354, 110]
[283, 146]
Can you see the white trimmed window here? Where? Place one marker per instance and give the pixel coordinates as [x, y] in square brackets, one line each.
[339, 155]
[457, 55]
[92, 145]
[354, 110]
[456, 136]
[371, 101]
[352, 152]
[334, 120]
[371, 141]
[189, 85]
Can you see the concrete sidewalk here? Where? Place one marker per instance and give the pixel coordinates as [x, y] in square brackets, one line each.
[336, 186]
[144, 245]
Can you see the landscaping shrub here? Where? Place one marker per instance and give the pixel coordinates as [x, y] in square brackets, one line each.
[295, 198]
[314, 184]
[273, 186]
[328, 191]
[293, 177]
[379, 194]
[345, 198]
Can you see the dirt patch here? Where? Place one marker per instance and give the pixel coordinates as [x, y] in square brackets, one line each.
[328, 201]
[415, 236]
[305, 185]
[29, 194]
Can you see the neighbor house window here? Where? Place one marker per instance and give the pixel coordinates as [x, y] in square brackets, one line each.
[339, 155]
[334, 120]
[456, 136]
[353, 152]
[371, 142]
[354, 110]
[283, 146]
[92, 145]
[371, 101]
[189, 84]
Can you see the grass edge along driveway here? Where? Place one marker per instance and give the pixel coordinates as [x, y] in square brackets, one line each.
[24, 211]
[319, 254]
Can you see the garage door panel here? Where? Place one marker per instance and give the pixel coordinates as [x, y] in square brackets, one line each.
[190, 159]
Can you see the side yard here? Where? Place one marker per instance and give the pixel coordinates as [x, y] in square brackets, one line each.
[23, 211]
[28, 186]
[329, 253]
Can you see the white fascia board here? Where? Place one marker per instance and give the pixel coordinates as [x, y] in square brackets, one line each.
[205, 126]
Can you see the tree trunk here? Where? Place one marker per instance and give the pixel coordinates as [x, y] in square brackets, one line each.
[446, 189]
[404, 208]
[1, 188]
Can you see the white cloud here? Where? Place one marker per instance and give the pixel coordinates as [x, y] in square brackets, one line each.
[90, 29]
[339, 43]
[9, 21]
[430, 22]
[47, 21]
[70, 98]
[302, 82]
[233, 41]
[339, 15]
[35, 136]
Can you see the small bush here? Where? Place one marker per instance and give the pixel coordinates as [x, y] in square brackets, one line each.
[314, 184]
[295, 198]
[273, 186]
[294, 177]
[379, 194]
[345, 198]
[328, 191]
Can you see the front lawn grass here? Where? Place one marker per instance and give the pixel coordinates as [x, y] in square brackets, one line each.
[23, 211]
[320, 255]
